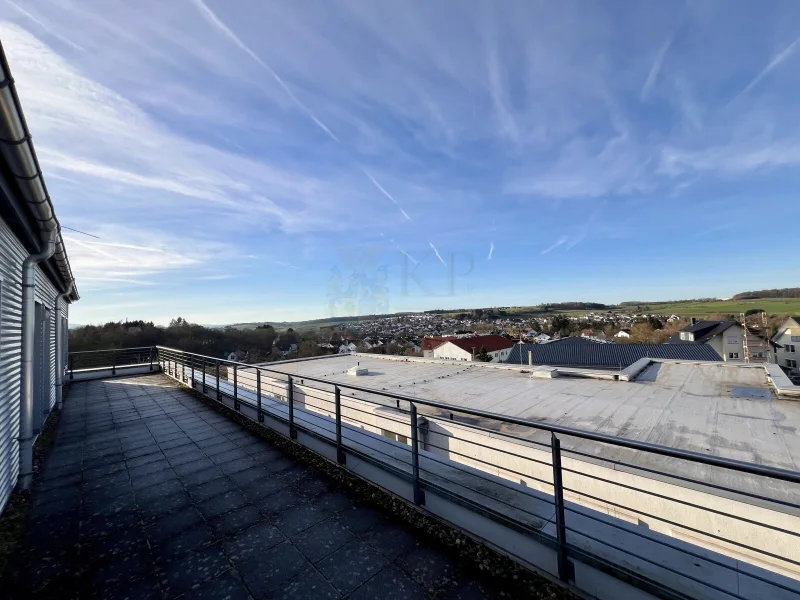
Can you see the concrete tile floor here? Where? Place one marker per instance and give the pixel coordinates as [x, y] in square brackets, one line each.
[149, 493]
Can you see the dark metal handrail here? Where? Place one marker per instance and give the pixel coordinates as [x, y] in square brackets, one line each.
[415, 461]
[707, 459]
[107, 350]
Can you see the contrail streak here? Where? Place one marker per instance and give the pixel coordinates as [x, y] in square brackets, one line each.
[212, 18]
[385, 193]
[782, 56]
[439, 256]
[561, 241]
[67, 41]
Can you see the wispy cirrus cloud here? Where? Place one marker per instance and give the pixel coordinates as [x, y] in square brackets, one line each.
[652, 76]
[212, 133]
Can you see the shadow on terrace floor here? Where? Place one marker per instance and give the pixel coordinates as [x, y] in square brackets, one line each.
[149, 493]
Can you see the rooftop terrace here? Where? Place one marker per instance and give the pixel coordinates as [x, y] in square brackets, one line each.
[150, 493]
[611, 516]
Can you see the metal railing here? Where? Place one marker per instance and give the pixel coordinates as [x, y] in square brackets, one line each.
[111, 358]
[647, 519]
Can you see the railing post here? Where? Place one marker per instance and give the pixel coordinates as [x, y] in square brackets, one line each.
[235, 389]
[71, 358]
[204, 375]
[565, 567]
[219, 394]
[191, 362]
[114, 361]
[341, 458]
[419, 495]
[290, 397]
[151, 358]
[258, 395]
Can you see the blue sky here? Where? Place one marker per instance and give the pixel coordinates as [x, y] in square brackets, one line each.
[285, 160]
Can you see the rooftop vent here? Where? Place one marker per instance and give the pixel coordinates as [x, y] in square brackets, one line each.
[358, 371]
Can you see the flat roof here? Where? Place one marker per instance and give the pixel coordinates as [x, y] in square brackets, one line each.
[722, 409]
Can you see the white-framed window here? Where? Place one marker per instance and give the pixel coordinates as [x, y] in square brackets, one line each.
[795, 338]
[687, 336]
[789, 348]
[791, 363]
[733, 355]
[733, 339]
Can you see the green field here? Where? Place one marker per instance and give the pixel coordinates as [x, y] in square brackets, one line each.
[773, 306]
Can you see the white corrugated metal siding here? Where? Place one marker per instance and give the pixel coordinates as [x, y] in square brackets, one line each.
[12, 254]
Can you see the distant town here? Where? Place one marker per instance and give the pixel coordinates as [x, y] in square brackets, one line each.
[749, 327]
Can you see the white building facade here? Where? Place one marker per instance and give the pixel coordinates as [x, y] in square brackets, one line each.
[36, 288]
[466, 349]
[788, 338]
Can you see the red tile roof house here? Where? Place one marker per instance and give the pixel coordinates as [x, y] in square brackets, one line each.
[497, 346]
[429, 343]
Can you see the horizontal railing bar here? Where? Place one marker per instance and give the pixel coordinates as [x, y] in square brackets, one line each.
[485, 495]
[360, 447]
[670, 522]
[506, 469]
[494, 448]
[371, 449]
[678, 501]
[709, 484]
[661, 566]
[688, 455]
[109, 350]
[476, 475]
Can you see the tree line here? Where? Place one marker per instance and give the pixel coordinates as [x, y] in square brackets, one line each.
[261, 344]
[775, 293]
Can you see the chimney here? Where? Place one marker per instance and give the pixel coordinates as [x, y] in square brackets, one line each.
[694, 320]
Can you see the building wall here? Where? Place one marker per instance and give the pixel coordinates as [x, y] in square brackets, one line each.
[788, 330]
[12, 253]
[723, 346]
[449, 351]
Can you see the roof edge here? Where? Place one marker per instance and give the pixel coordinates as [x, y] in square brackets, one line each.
[19, 155]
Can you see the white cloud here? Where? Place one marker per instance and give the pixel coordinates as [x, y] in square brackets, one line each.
[89, 133]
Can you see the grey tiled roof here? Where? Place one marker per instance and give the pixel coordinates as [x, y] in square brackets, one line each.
[703, 331]
[607, 356]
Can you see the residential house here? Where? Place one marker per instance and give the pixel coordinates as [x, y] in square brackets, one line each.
[429, 343]
[347, 347]
[787, 339]
[725, 337]
[465, 349]
[623, 334]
